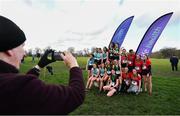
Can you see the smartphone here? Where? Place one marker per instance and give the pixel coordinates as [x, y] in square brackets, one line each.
[57, 56]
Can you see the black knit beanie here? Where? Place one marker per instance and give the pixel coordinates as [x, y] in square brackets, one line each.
[11, 36]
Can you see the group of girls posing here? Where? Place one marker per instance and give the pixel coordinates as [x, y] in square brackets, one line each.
[114, 70]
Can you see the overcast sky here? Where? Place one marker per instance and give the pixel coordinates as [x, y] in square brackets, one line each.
[87, 23]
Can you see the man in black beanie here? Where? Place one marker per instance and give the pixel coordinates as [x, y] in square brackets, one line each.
[26, 94]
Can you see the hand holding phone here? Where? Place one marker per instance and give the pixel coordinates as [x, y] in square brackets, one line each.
[57, 56]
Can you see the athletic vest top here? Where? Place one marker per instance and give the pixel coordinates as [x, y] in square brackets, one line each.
[111, 52]
[102, 71]
[98, 56]
[135, 79]
[95, 55]
[138, 65]
[146, 65]
[95, 71]
[108, 69]
[104, 56]
[123, 59]
[131, 58]
[117, 69]
[113, 79]
[116, 51]
[124, 75]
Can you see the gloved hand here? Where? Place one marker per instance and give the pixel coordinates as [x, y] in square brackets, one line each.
[45, 60]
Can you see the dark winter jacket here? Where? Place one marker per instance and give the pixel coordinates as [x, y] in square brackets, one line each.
[26, 94]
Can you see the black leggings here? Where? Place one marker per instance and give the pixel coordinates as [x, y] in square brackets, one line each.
[174, 66]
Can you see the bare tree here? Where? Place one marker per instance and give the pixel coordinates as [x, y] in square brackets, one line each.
[166, 53]
[29, 52]
[93, 49]
[71, 49]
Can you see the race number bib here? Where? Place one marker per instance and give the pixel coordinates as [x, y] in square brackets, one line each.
[108, 72]
[96, 84]
[129, 62]
[137, 68]
[117, 72]
[112, 84]
[127, 82]
[134, 83]
[124, 61]
[144, 67]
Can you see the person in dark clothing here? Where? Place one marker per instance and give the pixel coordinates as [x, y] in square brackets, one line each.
[38, 55]
[174, 62]
[26, 93]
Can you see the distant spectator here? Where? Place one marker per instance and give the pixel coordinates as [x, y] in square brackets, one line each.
[38, 55]
[33, 55]
[174, 62]
[22, 60]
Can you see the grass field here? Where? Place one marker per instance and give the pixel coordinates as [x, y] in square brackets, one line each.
[165, 99]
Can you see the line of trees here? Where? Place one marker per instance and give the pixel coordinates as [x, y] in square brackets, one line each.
[37, 50]
[162, 53]
[166, 53]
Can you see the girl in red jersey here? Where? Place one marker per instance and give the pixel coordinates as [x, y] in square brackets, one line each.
[135, 82]
[123, 59]
[138, 64]
[146, 73]
[124, 80]
[113, 86]
[131, 59]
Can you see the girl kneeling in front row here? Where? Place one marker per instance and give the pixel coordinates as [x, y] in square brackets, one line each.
[135, 83]
[113, 86]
